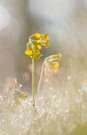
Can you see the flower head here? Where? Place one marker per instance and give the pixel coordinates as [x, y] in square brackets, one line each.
[38, 47]
[51, 65]
[35, 44]
[37, 36]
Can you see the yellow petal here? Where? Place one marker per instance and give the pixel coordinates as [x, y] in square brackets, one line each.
[37, 35]
[28, 52]
[38, 55]
[47, 44]
[23, 96]
[59, 56]
[39, 47]
[55, 64]
[46, 37]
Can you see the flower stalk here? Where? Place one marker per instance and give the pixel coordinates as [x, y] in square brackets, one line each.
[33, 88]
[41, 74]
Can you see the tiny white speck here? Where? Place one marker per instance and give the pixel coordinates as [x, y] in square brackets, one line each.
[20, 85]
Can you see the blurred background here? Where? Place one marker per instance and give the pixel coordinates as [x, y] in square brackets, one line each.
[64, 20]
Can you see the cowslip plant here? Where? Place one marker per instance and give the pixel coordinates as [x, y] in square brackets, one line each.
[51, 64]
[34, 46]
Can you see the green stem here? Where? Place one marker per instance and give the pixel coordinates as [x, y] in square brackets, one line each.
[33, 89]
[41, 74]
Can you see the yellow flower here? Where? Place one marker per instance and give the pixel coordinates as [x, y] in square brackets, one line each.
[57, 56]
[47, 44]
[18, 96]
[37, 54]
[22, 96]
[38, 47]
[55, 64]
[28, 52]
[45, 36]
[35, 44]
[37, 35]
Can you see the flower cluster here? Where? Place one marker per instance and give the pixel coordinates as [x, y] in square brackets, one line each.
[51, 65]
[35, 44]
